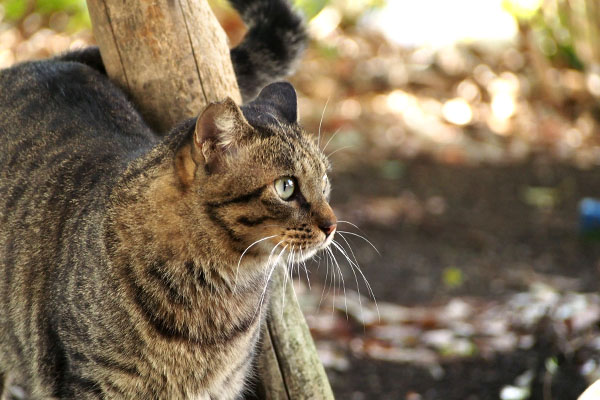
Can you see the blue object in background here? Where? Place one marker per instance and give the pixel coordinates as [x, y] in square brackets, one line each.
[589, 216]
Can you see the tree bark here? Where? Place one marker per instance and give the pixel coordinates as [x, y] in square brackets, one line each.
[172, 57]
[289, 366]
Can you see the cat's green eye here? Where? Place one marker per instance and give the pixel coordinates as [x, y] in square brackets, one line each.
[285, 187]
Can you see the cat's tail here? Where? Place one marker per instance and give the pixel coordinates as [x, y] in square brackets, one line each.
[275, 40]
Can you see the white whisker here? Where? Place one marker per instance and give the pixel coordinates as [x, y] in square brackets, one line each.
[349, 223]
[262, 296]
[333, 279]
[338, 246]
[321, 122]
[305, 268]
[240, 260]
[368, 285]
[331, 138]
[343, 284]
[359, 269]
[325, 282]
[363, 238]
[285, 278]
[340, 149]
[272, 251]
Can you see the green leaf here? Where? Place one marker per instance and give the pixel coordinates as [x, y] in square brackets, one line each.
[311, 7]
[541, 197]
[522, 9]
[452, 277]
[14, 9]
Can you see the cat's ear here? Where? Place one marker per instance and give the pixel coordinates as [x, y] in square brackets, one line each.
[223, 123]
[218, 129]
[280, 99]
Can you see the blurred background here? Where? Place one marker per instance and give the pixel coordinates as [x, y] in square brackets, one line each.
[463, 136]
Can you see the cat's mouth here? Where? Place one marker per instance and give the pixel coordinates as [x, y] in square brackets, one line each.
[297, 244]
[328, 240]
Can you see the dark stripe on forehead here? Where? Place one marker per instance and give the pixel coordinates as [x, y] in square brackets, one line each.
[300, 152]
[309, 154]
[244, 198]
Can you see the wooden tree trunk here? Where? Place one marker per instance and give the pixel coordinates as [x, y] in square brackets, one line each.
[172, 57]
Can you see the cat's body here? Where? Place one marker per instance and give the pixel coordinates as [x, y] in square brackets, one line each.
[120, 252]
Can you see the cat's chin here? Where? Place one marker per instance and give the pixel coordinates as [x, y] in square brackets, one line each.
[327, 242]
[311, 252]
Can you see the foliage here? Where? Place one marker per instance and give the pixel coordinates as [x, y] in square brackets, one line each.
[311, 7]
[76, 11]
[561, 29]
[351, 9]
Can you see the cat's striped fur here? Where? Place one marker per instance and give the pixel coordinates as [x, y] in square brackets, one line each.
[120, 269]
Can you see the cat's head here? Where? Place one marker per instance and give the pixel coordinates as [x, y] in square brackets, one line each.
[259, 178]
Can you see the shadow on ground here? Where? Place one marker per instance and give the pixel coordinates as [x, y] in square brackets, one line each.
[503, 228]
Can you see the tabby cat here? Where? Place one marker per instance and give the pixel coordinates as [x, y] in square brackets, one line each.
[121, 268]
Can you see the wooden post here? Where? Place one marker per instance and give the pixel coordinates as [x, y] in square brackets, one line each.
[172, 57]
[289, 366]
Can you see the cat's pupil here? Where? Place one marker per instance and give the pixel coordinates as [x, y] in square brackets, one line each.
[285, 187]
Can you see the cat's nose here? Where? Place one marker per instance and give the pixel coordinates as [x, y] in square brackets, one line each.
[328, 227]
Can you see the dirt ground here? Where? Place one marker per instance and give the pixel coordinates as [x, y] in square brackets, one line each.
[485, 222]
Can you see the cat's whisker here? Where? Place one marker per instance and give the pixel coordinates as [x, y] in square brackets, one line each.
[331, 138]
[342, 282]
[349, 223]
[292, 283]
[353, 256]
[325, 283]
[243, 253]
[272, 251]
[276, 261]
[338, 246]
[321, 122]
[362, 237]
[340, 149]
[333, 286]
[288, 265]
[358, 268]
[367, 284]
[333, 280]
[262, 296]
[305, 268]
[292, 261]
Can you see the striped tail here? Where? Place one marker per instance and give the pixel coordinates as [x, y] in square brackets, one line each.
[272, 47]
